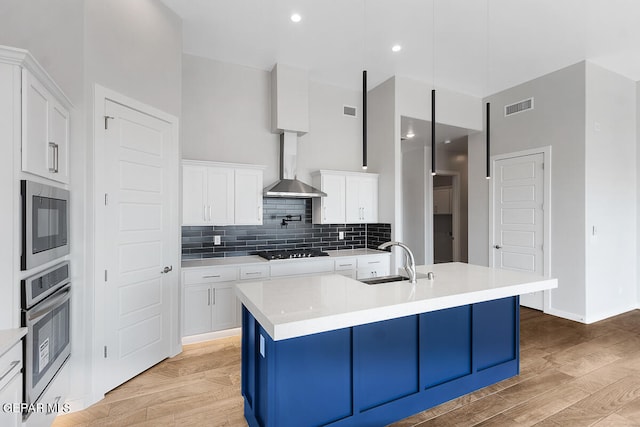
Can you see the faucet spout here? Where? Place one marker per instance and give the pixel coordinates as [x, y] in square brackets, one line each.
[410, 262]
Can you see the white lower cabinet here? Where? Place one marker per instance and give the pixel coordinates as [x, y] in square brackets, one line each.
[210, 302]
[11, 385]
[209, 299]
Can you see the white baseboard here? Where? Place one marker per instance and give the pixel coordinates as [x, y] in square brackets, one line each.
[192, 339]
[607, 314]
[565, 315]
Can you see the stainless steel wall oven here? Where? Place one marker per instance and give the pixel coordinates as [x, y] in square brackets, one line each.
[45, 223]
[46, 312]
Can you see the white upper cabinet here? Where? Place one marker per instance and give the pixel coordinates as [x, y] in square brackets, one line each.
[248, 196]
[331, 208]
[221, 194]
[362, 198]
[45, 131]
[352, 197]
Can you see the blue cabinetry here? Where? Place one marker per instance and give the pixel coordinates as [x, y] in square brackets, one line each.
[374, 374]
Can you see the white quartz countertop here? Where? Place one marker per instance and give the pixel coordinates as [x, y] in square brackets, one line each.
[294, 307]
[255, 259]
[9, 337]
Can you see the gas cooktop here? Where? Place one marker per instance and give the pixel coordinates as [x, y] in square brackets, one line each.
[292, 253]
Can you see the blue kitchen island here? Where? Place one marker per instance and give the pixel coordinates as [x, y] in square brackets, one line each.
[329, 350]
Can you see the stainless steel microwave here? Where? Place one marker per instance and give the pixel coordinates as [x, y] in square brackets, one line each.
[45, 223]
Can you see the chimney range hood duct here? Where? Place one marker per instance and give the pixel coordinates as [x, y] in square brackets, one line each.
[289, 186]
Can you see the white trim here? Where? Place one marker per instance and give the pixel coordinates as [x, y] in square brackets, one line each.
[101, 95]
[24, 59]
[221, 164]
[225, 333]
[546, 152]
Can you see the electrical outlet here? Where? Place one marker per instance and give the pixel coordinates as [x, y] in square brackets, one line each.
[340, 235]
[217, 240]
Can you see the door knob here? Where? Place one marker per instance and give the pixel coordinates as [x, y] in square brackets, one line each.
[167, 269]
[497, 246]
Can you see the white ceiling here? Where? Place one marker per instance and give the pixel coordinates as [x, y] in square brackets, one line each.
[481, 46]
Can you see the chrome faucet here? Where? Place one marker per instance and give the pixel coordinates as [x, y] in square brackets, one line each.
[409, 262]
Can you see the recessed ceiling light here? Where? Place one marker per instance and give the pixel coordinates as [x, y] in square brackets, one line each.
[396, 48]
[296, 17]
[447, 141]
[410, 134]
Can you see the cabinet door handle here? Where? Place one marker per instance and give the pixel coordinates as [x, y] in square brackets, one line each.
[53, 147]
[209, 296]
[57, 158]
[250, 273]
[214, 296]
[210, 277]
[259, 212]
[346, 265]
[373, 262]
[209, 212]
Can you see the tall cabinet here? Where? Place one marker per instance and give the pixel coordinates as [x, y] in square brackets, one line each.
[34, 138]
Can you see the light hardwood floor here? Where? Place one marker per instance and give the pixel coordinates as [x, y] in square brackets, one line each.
[570, 375]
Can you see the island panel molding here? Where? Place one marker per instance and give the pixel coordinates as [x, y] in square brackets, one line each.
[378, 373]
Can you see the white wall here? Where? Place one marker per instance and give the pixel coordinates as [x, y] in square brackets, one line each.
[638, 195]
[227, 113]
[611, 286]
[558, 120]
[415, 204]
[452, 108]
[478, 208]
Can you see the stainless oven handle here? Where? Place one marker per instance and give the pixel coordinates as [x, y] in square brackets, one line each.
[45, 307]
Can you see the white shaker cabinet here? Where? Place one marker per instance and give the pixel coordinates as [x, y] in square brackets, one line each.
[11, 385]
[352, 197]
[221, 194]
[248, 196]
[331, 208]
[45, 131]
[362, 198]
[210, 302]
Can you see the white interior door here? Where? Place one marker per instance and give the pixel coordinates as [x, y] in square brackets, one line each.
[518, 218]
[140, 222]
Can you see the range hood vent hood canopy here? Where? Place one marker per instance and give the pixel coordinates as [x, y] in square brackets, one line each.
[288, 185]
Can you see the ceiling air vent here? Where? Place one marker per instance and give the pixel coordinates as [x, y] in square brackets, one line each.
[349, 111]
[518, 107]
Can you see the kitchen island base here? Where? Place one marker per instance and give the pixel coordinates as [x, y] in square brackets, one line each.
[377, 373]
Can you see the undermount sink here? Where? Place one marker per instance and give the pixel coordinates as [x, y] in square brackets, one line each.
[384, 279]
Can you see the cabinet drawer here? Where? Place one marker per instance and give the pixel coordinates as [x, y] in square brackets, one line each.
[254, 272]
[53, 399]
[211, 275]
[301, 267]
[345, 264]
[10, 364]
[373, 260]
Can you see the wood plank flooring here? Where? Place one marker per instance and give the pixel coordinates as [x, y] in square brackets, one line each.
[570, 375]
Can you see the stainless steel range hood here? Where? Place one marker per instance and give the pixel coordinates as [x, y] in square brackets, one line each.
[288, 185]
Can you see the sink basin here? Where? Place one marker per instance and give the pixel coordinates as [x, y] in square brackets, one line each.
[383, 279]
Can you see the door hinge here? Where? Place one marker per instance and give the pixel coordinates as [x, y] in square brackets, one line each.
[105, 351]
[106, 121]
[105, 275]
[106, 199]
